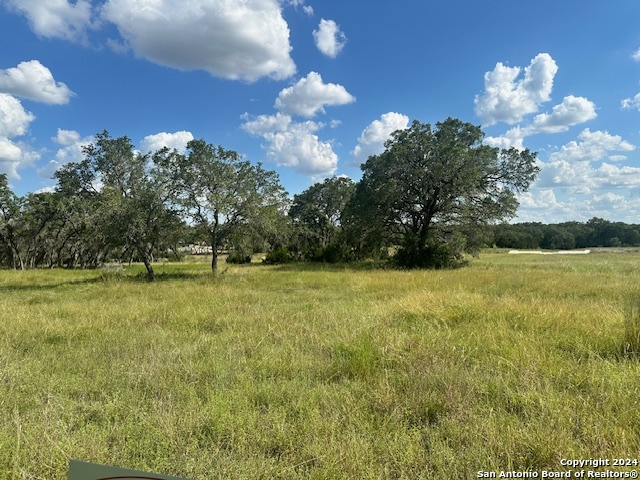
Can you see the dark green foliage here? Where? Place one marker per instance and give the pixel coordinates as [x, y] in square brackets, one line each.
[231, 202]
[316, 215]
[556, 238]
[10, 210]
[135, 215]
[435, 254]
[433, 192]
[278, 256]
[238, 258]
[593, 233]
[521, 235]
[435, 195]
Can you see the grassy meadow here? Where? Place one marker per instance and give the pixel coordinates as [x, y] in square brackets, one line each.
[320, 372]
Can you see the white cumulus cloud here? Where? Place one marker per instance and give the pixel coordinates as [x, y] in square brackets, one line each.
[14, 122]
[14, 119]
[575, 168]
[508, 98]
[371, 140]
[636, 55]
[584, 178]
[233, 39]
[310, 95]
[631, 103]
[66, 137]
[513, 137]
[330, 40]
[592, 147]
[177, 141]
[56, 18]
[543, 205]
[293, 144]
[72, 144]
[572, 111]
[34, 81]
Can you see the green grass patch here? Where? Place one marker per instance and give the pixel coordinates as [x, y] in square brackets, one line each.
[321, 371]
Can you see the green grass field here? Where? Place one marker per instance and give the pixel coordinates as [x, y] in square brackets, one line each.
[320, 372]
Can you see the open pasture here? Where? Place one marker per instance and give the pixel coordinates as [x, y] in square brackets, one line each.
[320, 372]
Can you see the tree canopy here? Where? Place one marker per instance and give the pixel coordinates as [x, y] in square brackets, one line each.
[432, 190]
[435, 194]
[316, 214]
[224, 196]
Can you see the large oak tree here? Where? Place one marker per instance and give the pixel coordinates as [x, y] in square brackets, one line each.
[432, 190]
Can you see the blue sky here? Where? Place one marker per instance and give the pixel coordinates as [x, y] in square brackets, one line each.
[312, 88]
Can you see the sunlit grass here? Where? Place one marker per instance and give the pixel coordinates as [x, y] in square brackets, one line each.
[319, 371]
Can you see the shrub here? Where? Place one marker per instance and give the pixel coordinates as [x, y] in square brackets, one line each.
[277, 256]
[238, 258]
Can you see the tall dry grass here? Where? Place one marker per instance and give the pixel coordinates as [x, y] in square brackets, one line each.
[319, 372]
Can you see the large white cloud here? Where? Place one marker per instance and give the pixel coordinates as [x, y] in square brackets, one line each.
[34, 81]
[371, 140]
[310, 95]
[177, 140]
[507, 98]
[574, 167]
[330, 40]
[56, 18]
[234, 39]
[572, 111]
[263, 125]
[543, 205]
[592, 147]
[293, 144]
[514, 137]
[72, 144]
[14, 119]
[14, 122]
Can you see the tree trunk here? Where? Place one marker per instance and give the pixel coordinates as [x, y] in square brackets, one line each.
[214, 256]
[20, 260]
[214, 246]
[147, 264]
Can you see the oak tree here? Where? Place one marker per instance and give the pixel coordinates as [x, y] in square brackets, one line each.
[434, 189]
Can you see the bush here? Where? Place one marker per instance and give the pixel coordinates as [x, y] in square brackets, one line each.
[332, 253]
[278, 256]
[238, 258]
[434, 254]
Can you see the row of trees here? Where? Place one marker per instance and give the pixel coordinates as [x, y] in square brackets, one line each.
[429, 197]
[118, 204]
[596, 232]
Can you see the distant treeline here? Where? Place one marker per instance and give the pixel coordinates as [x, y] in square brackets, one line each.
[596, 232]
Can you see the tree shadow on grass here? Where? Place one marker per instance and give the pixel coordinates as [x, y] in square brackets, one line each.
[330, 267]
[138, 276]
[160, 277]
[100, 277]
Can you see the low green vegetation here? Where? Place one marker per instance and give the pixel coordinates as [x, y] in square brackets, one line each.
[320, 372]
